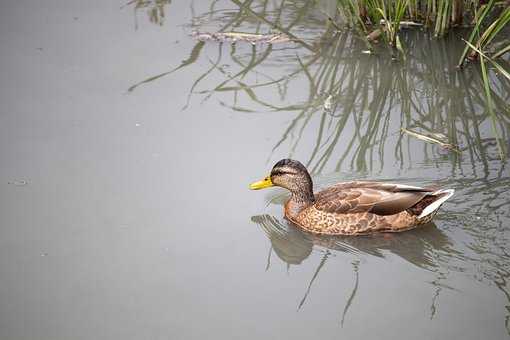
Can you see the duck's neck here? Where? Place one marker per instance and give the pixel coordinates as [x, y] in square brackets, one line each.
[298, 201]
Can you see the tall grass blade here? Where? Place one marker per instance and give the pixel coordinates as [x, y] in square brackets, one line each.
[476, 29]
[488, 96]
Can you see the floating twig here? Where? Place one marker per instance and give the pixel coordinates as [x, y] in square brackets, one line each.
[431, 139]
[240, 36]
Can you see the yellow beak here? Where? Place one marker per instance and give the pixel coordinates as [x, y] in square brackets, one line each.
[265, 183]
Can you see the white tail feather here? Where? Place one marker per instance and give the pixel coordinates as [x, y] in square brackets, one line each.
[436, 204]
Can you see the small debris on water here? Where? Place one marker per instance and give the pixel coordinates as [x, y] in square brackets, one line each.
[240, 36]
[328, 103]
[18, 183]
[431, 139]
[137, 124]
[439, 136]
[404, 24]
[366, 52]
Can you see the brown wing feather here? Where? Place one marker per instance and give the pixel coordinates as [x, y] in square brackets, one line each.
[374, 197]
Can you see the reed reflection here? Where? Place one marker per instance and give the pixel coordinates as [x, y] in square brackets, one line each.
[155, 10]
[357, 99]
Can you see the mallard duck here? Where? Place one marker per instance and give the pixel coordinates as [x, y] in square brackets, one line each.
[352, 208]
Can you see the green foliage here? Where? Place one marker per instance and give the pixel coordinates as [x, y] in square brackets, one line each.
[489, 19]
[438, 15]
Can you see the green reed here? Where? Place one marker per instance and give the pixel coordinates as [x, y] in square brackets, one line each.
[488, 20]
[482, 39]
[385, 16]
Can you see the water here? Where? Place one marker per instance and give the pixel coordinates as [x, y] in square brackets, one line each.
[124, 207]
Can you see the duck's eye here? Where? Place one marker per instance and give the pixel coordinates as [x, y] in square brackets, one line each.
[277, 173]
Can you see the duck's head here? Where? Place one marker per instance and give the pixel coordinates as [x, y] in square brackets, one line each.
[288, 174]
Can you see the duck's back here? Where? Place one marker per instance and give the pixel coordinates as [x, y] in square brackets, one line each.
[363, 207]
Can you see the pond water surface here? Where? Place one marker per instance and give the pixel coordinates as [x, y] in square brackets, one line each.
[127, 148]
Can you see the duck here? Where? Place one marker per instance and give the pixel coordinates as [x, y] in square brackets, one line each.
[355, 207]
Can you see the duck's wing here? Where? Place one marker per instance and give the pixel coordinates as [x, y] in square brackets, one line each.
[375, 197]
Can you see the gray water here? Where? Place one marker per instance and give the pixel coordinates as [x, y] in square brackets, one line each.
[127, 147]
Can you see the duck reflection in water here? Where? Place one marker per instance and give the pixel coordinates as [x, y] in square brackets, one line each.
[421, 247]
